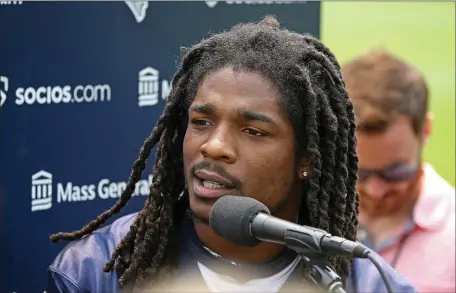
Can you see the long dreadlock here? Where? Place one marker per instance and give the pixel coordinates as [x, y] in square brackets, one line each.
[314, 98]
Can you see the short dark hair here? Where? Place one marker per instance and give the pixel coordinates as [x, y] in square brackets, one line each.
[314, 98]
[382, 87]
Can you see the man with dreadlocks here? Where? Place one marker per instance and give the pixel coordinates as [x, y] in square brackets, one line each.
[256, 111]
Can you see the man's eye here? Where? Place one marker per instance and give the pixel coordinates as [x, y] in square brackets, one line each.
[253, 132]
[201, 122]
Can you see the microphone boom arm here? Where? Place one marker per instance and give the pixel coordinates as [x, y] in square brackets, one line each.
[246, 222]
[316, 261]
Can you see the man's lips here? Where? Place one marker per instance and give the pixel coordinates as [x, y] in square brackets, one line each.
[214, 177]
[227, 187]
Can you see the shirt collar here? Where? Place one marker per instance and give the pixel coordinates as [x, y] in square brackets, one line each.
[195, 250]
[435, 201]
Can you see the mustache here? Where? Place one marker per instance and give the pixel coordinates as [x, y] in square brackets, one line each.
[219, 170]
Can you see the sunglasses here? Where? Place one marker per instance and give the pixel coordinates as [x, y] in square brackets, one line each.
[390, 174]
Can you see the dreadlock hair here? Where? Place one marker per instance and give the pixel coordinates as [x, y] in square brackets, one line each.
[314, 97]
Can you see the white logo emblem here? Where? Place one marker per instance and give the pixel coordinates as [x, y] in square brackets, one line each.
[138, 8]
[41, 191]
[4, 81]
[211, 4]
[148, 87]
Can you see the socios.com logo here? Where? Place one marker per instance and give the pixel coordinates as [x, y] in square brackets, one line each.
[46, 192]
[46, 95]
[63, 94]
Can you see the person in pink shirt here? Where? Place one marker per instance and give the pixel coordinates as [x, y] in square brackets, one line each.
[407, 210]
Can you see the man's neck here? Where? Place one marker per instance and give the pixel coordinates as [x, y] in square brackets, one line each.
[258, 254]
[390, 225]
[261, 253]
[383, 228]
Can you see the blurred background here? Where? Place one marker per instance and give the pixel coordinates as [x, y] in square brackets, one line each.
[83, 83]
[423, 34]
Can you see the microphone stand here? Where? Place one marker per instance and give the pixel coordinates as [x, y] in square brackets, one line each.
[320, 272]
[316, 261]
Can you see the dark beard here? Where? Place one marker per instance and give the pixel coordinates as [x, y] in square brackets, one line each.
[194, 217]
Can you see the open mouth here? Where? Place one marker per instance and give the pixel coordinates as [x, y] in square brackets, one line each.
[211, 185]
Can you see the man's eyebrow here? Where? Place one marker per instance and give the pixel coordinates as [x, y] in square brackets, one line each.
[202, 108]
[244, 113]
[250, 115]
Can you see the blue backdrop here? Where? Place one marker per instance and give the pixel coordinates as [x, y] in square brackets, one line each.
[81, 86]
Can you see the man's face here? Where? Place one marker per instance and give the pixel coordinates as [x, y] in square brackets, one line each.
[238, 142]
[396, 153]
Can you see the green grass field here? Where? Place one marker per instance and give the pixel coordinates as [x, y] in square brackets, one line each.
[421, 33]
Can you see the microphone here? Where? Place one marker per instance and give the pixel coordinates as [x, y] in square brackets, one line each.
[246, 222]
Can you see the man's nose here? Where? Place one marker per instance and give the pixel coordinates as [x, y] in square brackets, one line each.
[376, 187]
[220, 146]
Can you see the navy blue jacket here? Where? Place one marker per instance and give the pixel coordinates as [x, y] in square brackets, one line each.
[78, 268]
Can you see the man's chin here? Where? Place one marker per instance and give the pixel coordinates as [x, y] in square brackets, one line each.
[200, 208]
[377, 210]
[199, 217]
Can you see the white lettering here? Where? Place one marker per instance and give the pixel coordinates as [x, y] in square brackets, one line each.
[88, 192]
[107, 189]
[165, 89]
[102, 93]
[121, 187]
[40, 93]
[30, 95]
[212, 4]
[258, 2]
[56, 94]
[64, 194]
[10, 2]
[103, 189]
[74, 193]
[143, 187]
[20, 96]
[65, 94]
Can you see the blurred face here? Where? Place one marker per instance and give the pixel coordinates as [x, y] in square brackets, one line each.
[389, 168]
[239, 142]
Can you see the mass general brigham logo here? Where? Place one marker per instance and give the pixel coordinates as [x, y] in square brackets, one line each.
[46, 191]
[41, 191]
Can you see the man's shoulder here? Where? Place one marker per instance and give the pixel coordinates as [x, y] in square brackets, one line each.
[80, 263]
[435, 207]
[370, 280]
[434, 183]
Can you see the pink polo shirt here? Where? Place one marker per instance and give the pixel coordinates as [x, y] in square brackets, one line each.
[427, 258]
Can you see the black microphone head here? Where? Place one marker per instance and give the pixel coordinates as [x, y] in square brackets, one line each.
[231, 216]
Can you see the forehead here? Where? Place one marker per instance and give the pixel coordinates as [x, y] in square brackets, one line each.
[244, 89]
[398, 144]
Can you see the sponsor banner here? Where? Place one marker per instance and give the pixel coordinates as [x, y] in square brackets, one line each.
[81, 87]
[45, 95]
[70, 192]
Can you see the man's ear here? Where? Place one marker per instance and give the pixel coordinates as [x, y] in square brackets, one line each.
[305, 168]
[427, 129]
